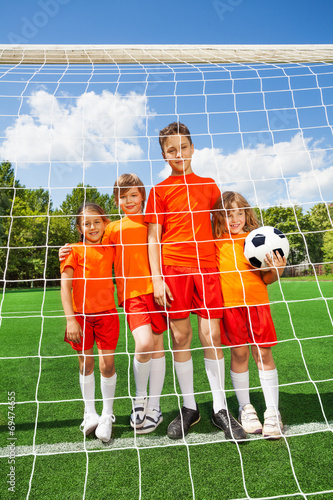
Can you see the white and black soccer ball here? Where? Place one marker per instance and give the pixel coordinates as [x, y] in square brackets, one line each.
[263, 240]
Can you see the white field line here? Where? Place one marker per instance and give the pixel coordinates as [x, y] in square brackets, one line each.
[151, 441]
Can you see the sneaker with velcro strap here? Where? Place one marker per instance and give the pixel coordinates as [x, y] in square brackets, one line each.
[273, 425]
[249, 420]
[232, 429]
[104, 428]
[180, 426]
[89, 424]
[138, 415]
[153, 419]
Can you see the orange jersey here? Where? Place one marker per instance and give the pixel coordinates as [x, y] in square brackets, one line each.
[93, 289]
[241, 284]
[182, 206]
[129, 237]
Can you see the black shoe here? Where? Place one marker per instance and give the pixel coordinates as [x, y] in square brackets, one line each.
[231, 428]
[190, 417]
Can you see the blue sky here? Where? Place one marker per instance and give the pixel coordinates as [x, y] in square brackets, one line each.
[263, 130]
[150, 21]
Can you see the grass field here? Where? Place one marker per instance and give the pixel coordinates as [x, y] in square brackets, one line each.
[52, 460]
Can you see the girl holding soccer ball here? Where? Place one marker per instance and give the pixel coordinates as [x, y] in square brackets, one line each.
[247, 317]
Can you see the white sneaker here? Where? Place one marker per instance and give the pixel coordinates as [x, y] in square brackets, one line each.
[89, 424]
[138, 415]
[249, 420]
[153, 419]
[273, 424]
[104, 428]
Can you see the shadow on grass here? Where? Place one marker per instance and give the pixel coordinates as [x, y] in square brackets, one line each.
[296, 409]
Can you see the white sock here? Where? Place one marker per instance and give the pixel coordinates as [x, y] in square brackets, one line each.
[141, 375]
[184, 371]
[108, 388]
[270, 387]
[87, 384]
[215, 374]
[156, 381]
[240, 382]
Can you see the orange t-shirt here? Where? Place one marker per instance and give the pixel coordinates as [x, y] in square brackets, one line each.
[182, 206]
[241, 284]
[131, 264]
[93, 289]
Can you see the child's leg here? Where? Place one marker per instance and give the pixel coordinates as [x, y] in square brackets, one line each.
[87, 379]
[157, 373]
[181, 332]
[154, 417]
[108, 388]
[210, 337]
[268, 375]
[239, 372]
[144, 347]
[270, 386]
[108, 379]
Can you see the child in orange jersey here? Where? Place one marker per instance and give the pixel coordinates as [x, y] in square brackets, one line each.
[135, 295]
[185, 277]
[91, 315]
[247, 318]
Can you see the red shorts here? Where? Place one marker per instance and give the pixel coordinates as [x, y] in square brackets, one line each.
[253, 325]
[102, 328]
[141, 311]
[195, 291]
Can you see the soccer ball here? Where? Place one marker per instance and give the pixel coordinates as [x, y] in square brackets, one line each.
[263, 240]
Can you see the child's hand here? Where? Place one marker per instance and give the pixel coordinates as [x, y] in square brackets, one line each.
[64, 251]
[277, 262]
[74, 331]
[162, 295]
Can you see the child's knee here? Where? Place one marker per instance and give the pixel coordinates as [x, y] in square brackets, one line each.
[107, 369]
[263, 355]
[86, 366]
[240, 355]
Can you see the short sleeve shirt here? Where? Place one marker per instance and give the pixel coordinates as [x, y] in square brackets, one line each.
[129, 238]
[182, 205]
[93, 289]
[241, 284]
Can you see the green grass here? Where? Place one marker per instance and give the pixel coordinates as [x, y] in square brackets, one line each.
[38, 365]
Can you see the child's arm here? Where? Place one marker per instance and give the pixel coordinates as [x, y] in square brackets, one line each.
[277, 265]
[73, 330]
[162, 294]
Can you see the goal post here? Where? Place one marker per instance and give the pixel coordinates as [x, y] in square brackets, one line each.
[73, 118]
[170, 54]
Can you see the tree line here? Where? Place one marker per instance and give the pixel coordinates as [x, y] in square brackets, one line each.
[31, 230]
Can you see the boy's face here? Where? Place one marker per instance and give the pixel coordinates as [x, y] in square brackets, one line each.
[131, 201]
[178, 151]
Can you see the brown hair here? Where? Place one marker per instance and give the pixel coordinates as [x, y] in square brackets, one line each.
[175, 128]
[225, 203]
[126, 182]
[91, 207]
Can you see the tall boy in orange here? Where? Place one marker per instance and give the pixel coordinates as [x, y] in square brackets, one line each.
[135, 294]
[185, 278]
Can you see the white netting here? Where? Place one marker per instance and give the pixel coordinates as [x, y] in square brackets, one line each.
[261, 123]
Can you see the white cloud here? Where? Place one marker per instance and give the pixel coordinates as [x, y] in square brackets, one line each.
[91, 128]
[268, 175]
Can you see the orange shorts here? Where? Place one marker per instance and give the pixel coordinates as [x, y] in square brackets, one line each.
[194, 290]
[253, 325]
[102, 327]
[141, 311]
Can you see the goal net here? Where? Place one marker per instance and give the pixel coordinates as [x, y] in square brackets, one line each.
[72, 120]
